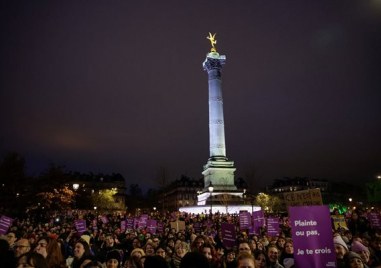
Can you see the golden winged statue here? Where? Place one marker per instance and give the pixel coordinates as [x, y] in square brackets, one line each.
[213, 42]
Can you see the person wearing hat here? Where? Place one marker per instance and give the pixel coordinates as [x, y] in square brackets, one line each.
[353, 260]
[361, 250]
[341, 249]
[113, 259]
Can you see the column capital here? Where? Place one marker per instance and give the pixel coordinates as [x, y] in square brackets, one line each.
[213, 61]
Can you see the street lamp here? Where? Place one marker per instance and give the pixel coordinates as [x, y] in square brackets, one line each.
[211, 188]
[75, 186]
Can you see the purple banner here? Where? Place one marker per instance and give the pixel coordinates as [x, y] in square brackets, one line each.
[152, 226]
[130, 224]
[258, 221]
[80, 225]
[374, 219]
[5, 223]
[312, 236]
[228, 235]
[244, 220]
[273, 226]
[143, 221]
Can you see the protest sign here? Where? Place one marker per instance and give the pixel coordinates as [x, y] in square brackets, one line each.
[178, 225]
[244, 220]
[303, 198]
[80, 225]
[5, 223]
[312, 236]
[258, 221]
[160, 227]
[143, 221]
[374, 219]
[129, 224]
[273, 226]
[228, 235]
[339, 222]
[151, 226]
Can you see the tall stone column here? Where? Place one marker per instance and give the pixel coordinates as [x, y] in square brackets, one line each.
[213, 65]
[219, 170]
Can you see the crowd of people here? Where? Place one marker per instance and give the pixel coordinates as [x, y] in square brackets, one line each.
[55, 242]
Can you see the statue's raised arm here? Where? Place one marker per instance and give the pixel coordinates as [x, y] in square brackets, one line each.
[213, 42]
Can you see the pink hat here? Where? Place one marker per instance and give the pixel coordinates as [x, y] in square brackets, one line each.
[358, 247]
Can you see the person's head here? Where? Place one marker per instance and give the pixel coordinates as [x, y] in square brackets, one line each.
[245, 260]
[260, 259]
[113, 259]
[93, 264]
[137, 253]
[272, 254]
[199, 241]
[362, 250]
[194, 260]
[280, 242]
[41, 246]
[181, 249]
[353, 260]
[160, 251]
[155, 262]
[155, 242]
[136, 243]
[289, 247]
[32, 259]
[22, 246]
[230, 255]
[244, 247]
[253, 245]
[208, 251]
[109, 240]
[149, 249]
[81, 249]
[11, 238]
[340, 247]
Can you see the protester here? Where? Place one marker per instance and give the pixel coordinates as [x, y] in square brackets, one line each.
[113, 259]
[287, 255]
[272, 257]
[51, 251]
[82, 255]
[31, 259]
[245, 260]
[22, 246]
[341, 249]
[260, 259]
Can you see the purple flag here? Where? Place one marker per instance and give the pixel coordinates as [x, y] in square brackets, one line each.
[80, 225]
[273, 226]
[312, 236]
[228, 235]
[5, 223]
[244, 220]
[258, 221]
[152, 226]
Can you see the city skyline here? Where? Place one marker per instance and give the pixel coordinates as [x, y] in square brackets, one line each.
[119, 87]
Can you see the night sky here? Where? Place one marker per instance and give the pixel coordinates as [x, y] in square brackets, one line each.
[118, 86]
